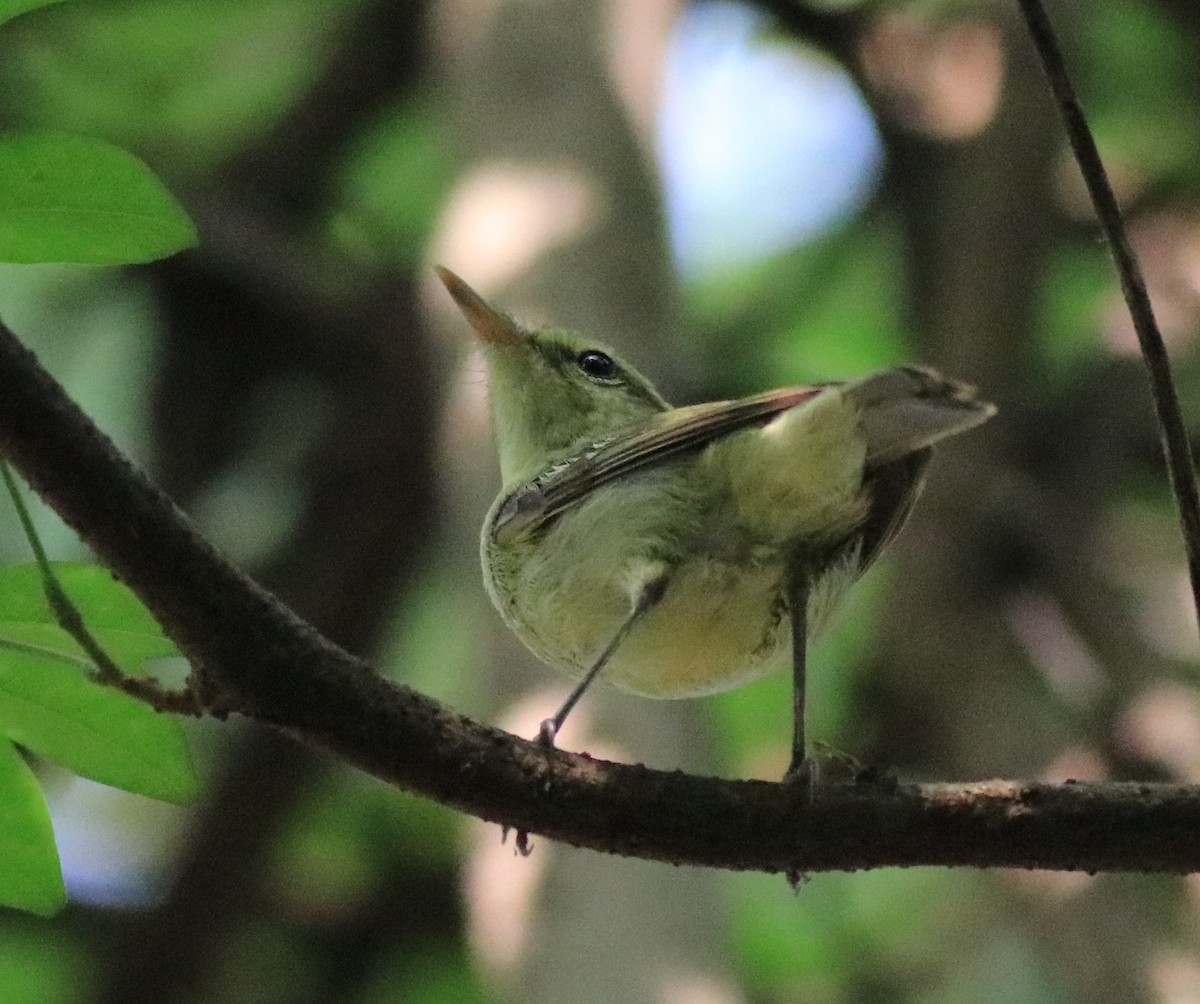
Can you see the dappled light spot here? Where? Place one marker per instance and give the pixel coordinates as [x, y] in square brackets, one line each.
[1175, 977]
[116, 849]
[696, 988]
[939, 79]
[637, 39]
[763, 143]
[1048, 885]
[1168, 248]
[1057, 650]
[1077, 763]
[500, 886]
[505, 215]
[1163, 724]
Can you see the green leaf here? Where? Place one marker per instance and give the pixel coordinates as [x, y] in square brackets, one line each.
[114, 616]
[55, 710]
[30, 876]
[50, 705]
[67, 198]
[11, 8]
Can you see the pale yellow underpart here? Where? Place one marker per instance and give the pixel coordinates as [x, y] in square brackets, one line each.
[718, 525]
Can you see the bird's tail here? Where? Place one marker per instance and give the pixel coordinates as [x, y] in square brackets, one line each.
[910, 407]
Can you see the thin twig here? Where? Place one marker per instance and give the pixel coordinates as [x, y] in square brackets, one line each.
[105, 670]
[1176, 448]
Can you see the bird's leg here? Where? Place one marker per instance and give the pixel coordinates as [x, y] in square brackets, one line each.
[648, 596]
[797, 599]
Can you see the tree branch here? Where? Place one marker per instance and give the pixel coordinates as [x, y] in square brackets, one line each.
[256, 658]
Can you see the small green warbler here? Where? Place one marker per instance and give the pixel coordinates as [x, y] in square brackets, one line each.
[677, 552]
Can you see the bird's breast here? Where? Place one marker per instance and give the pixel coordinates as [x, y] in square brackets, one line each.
[567, 589]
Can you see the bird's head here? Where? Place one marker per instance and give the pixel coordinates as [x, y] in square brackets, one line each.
[552, 392]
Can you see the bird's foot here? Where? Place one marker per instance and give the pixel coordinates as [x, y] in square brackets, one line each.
[832, 766]
[838, 767]
[873, 776]
[804, 773]
[522, 847]
[547, 733]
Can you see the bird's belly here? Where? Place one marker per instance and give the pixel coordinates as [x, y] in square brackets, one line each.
[718, 625]
[721, 622]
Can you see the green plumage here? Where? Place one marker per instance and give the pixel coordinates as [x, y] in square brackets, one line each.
[608, 491]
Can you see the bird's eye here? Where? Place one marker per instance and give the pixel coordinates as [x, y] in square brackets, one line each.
[597, 365]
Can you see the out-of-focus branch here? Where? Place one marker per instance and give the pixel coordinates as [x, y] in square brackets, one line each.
[264, 662]
[837, 32]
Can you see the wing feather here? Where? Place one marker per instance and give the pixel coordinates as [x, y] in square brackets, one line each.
[664, 437]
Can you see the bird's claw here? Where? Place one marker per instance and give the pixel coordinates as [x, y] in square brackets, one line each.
[804, 773]
[547, 733]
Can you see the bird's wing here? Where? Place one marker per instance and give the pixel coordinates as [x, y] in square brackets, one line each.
[894, 488]
[663, 437]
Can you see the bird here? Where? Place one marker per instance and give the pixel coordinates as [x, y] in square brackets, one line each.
[679, 552]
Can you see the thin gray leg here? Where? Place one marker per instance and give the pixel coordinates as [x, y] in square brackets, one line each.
[797, 597]
[651, 593]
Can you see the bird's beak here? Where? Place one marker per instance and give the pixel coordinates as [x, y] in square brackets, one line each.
[492, 327]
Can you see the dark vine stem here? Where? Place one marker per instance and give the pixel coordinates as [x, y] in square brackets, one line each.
[1176, 448]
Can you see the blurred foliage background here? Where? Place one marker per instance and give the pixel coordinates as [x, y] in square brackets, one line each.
[738, 196]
